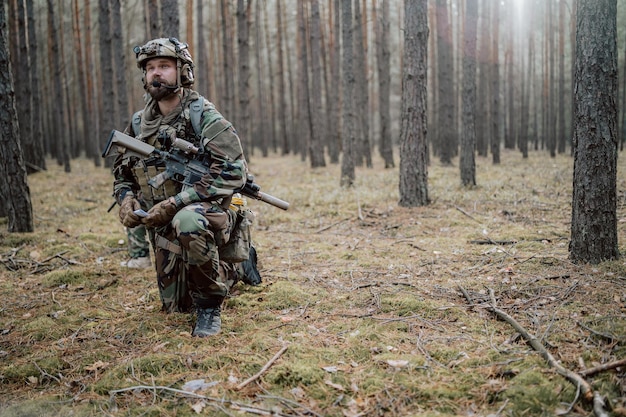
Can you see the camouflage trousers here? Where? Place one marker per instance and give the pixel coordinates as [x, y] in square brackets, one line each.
[189, 270]
[138, 246]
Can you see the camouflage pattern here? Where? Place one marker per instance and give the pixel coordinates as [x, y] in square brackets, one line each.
[196, 276]
[193, 275]
[138, 246]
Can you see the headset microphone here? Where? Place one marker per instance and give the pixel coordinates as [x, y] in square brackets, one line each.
[158, 84]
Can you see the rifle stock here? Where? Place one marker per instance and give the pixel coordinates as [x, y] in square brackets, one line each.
[179, 166]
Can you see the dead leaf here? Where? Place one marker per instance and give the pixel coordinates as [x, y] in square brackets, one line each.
[335, 386]
[96, 366]
[198, 407]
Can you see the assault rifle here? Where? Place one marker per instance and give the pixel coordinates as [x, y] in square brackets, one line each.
[181, 165]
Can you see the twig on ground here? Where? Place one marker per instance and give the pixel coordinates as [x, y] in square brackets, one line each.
[607, 336]
[264, 369]
[598, 406]
[234, 404]
[331, 225]
[603, 367]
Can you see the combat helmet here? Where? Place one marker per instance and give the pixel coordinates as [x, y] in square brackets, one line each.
[171, 48]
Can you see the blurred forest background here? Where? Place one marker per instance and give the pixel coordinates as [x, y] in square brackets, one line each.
[273, 68]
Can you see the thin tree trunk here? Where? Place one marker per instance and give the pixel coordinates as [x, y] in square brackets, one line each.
[468, 132]
[170, 18]
[363, 152]
[243, 42]
[349, 84]
[316, 146]
[413, 182]
[334, 140]
[495, 84]
[282, 90]
[384, 81]
[303, 110]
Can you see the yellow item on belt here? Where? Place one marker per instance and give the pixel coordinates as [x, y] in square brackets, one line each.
[237, 202]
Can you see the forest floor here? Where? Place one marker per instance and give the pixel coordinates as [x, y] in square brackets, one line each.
[365, 309]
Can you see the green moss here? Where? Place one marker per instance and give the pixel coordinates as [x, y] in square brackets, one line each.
[533, 393]
[294, 374]
[43, 328]
[64, 277]
[284, 294]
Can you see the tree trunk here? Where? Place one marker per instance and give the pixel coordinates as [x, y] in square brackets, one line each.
[282, 90]
[446, 141]
[318, 132]
[384, 81]
[13, 186]
[303, 110]
[152, 17]
[495, 83]
[468, 132]
[107, 96]
[60, 128]
[363, 151]
[243, 42]
[228, 85]
[413, 183]
[334, 129]
[348, 104]
[261, 127]
[560, 129]
[594, 201]
[119, 63]
[37, 154]
[170, 18]
[483, 130]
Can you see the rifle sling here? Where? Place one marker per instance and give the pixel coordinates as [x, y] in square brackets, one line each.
[168, 245]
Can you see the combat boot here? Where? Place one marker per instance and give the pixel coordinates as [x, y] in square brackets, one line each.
[208, 322]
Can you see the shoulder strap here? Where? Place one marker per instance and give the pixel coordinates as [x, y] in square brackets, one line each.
[136, 122]
[195, 114]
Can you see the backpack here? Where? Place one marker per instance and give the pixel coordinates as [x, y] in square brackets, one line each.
[195, 113]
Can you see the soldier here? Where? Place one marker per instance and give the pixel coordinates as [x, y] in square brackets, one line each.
[186, 225]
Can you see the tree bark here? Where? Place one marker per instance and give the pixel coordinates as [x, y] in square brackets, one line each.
[594, 202]
[318, 132]
[413, 146]
[348, 110]
[468, 131]
[14, 189]
[170, 18]
[243, 42]
[446, 141]
[384, 81]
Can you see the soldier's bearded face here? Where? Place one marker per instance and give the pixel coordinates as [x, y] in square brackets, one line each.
[161, 78]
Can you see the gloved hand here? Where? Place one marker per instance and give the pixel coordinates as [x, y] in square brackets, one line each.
[127, 208]
[161, 214]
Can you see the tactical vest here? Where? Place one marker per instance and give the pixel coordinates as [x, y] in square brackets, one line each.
[149, 168]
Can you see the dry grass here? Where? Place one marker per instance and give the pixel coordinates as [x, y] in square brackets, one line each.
[365, 294]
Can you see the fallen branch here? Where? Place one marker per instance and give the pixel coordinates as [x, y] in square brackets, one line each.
[574, 378]
[234, 404]
[493, 242]
[263, 370]
[603, 367]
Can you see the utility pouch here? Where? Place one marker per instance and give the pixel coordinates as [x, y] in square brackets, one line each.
[238, 247]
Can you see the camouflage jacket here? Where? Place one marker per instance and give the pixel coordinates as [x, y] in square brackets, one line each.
[227, 165]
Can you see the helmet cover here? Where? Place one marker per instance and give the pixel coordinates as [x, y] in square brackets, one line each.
[169, 48]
